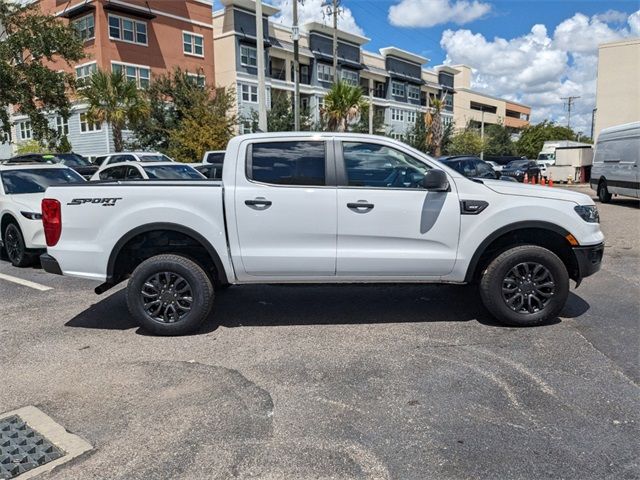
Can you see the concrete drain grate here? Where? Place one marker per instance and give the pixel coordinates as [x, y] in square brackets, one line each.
[22, 448]
[32, 443]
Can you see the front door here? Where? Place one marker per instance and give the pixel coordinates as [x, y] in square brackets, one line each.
[285, 204]
[388, 225]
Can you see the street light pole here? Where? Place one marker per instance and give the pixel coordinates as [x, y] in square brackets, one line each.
[262, 89]
[482, 135]
[295, 33]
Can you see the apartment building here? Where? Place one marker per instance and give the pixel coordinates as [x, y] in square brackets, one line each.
[399, 86]
[618, 85]
[141, 38]
[473, 107]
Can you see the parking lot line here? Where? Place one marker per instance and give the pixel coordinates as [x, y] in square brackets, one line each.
[25, 283]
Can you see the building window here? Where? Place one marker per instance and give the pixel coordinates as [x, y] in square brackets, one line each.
[127, 30]
[193, 44]
[397, 89]
[397, 115]
[349, 77]
[138, 74]
[325, 72]
[413, 92]
[248, 93]
[87, 127]
[197, 79]
[447, 120]
[411, 116]
[397, 136]
[248, 56]
[83, 72]
[5, 136]
[246, 127]
[85, 27]
[25, 130]
[62, 126]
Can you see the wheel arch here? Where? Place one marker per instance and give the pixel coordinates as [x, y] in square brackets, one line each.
[149, 237]
[540, 233]
[7, 218]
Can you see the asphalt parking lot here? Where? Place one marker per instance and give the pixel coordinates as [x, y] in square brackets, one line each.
[341, 382]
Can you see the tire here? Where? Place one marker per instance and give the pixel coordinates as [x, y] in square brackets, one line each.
[603, 192]
[541, 303]
[15, 247]
[170, 280]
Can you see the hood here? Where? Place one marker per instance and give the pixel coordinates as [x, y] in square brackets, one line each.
[537, 191]
[28, 202]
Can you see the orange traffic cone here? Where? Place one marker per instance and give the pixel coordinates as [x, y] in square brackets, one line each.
[550, 181]
[542, 181]
[526, 178]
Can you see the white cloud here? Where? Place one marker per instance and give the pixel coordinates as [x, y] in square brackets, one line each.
[427, 13]
[312, 10]
[538, 69]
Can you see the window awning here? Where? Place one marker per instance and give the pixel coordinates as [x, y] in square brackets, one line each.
[79, 9]
[129, 10]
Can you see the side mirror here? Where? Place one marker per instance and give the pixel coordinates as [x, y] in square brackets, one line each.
[435, 181]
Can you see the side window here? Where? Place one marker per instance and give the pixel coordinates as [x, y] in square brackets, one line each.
[468, 168]
[373, 165]
[133, 174]
[215, 157]
[115, 173]
[484, 170]
[287, 163]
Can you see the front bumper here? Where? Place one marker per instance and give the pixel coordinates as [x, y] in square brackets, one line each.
[50, 264]
[589, 260]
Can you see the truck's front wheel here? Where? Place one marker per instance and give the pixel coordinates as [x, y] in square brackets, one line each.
[169, 295]
[525, 286]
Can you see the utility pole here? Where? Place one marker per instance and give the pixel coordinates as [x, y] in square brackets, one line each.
[333, 9]
[370, 83]
[482, 134]
[295, 34]
[262, 89]
[569, 105]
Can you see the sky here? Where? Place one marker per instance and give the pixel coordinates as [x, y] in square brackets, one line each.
[529, 51]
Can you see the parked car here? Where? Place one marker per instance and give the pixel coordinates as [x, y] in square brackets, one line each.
[212, 171]
[121, 157]
[469, 166]
[518, 168]
[323, 208]
[544, 169]
[616, 162]
[72, 160]
[496, 166]
[213, 156]
[147, 171]
[22, 187]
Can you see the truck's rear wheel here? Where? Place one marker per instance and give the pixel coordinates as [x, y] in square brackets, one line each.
[169, 295]
[525, 286]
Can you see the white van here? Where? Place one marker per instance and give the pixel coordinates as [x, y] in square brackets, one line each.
[616, 163]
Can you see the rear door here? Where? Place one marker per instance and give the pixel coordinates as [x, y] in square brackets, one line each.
[285, 207]
[388, 225]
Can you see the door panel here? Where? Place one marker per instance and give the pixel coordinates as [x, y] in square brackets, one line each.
[285, 211]
[403, 230]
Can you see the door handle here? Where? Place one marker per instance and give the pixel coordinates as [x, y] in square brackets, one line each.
[258, 202]
[361, 204]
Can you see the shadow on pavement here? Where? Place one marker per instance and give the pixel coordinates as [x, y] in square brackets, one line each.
[276, 305]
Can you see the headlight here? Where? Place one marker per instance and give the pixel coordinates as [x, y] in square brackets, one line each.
[32, 215]
[589, 213]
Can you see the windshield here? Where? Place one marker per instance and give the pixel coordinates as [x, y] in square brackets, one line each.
[73, 160]
[17, 182]
[518, 164]
[546, 156]
[172, 172]
[155, 158]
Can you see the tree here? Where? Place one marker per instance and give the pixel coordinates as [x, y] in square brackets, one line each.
[64, 146]
[343, 104]
[533, 137]
[498, 141]
[447, 135]
[466, 142]
[280, 117]
[435, 128]
[171, 97]
[417, 135]
[31, 146]
[116, 100]
[29, 40]
[362, 126]
[208, 126]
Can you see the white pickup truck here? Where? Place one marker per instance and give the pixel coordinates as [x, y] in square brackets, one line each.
[322, 208]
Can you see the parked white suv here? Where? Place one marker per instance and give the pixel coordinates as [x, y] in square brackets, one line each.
[22, 187]
[120, 157]
[313, 207]
[147, 171]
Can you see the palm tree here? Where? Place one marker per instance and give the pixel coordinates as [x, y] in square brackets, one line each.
[114, 99]
[435, 129]
[342, 105]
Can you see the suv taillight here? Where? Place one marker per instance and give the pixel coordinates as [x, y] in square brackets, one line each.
[51, 220]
